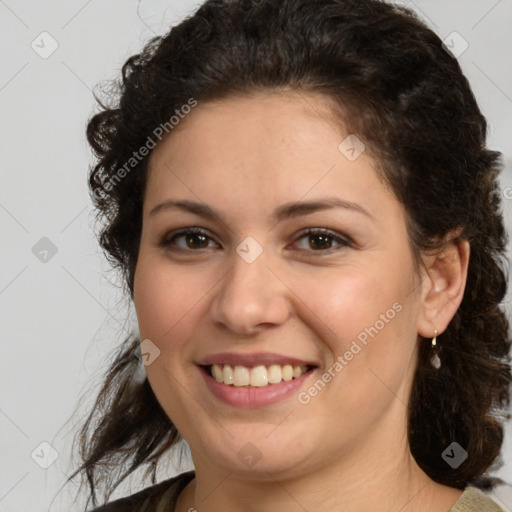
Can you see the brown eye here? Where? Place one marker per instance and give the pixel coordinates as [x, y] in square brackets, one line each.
[321, 240]
[194, 239]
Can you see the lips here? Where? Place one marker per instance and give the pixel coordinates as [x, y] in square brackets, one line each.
[254, 397]
[267, 377]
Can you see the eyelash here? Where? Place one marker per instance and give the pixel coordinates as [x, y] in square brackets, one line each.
[167, 240]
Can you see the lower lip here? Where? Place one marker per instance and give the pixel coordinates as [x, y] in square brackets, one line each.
[254, 396]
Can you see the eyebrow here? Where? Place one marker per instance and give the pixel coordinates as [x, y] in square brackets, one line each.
[283, 212]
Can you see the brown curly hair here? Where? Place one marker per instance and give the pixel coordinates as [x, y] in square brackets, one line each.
[395, 85]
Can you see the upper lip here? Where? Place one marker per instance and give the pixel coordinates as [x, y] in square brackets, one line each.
[255, 359]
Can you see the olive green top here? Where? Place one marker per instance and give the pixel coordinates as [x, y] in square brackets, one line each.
[162, 497]
[473, 499]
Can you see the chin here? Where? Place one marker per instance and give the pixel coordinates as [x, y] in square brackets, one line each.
[254, 451]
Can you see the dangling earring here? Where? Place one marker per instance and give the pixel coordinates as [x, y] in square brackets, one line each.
[435, 361]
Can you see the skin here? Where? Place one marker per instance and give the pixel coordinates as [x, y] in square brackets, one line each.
[347, 448]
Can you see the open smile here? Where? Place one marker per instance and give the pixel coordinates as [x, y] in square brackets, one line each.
[257, 386]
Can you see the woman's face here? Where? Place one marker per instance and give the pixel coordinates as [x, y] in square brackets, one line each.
[254, 290]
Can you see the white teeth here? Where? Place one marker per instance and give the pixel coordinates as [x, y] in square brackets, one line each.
[257, 376]
[217, 373]
[275, 375]
[228, 376]
[287, 372]
[241, 376]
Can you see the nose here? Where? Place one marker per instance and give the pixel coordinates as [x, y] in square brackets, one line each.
[251, 297]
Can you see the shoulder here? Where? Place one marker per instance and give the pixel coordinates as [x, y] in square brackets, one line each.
[475, 500]
[162, 495]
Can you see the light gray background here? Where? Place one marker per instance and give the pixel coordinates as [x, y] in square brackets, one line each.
[61, 318]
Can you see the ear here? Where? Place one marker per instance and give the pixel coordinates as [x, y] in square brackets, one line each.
[443, 285]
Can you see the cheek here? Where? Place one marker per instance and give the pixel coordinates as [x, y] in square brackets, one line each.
[370, 320]
[367, 317]
[163, 297]
[164, 300]
[348, 299]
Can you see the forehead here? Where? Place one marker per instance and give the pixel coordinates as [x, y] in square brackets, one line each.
[260, 149]
[276, 119]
